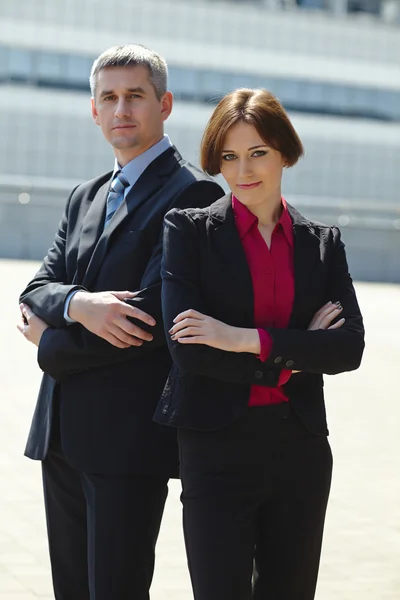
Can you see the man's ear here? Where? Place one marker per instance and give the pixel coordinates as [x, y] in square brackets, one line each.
[95, 114]
[167, 101]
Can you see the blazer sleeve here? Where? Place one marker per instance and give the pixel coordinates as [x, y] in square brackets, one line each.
[181, 291]
[62, 351]
[48, 290]
[331, 351]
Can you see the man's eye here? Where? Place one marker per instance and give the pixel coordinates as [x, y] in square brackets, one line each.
[228, 157]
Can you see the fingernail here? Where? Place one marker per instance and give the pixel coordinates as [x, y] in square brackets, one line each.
[174, 321]
[338, 303]
[173, 337]
[171, 330]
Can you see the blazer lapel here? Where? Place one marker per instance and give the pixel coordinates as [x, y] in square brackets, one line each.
[306, 253]
[92, 228]
[232, 258]
[151, 180]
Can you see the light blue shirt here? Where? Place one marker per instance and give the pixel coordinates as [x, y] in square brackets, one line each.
[132, 171]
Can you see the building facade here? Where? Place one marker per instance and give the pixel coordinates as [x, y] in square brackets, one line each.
[338, 75]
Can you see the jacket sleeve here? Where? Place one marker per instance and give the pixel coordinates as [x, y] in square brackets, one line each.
[331, 351]
[181, 291]
[62, 351]
[48, 290]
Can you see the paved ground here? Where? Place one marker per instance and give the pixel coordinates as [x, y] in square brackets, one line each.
[361, 555]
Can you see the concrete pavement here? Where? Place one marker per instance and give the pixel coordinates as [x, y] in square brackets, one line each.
[361, 553]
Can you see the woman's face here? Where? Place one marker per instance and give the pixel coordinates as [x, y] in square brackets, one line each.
[250, 167]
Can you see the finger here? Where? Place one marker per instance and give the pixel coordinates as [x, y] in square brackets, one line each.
[188, 331]
[136, 313]
[128, 329]
[26, 311]
[190, 313]
[21, 327]
[123, 295]
[185, 323]
[327, 320]
[123, 337]
[322, 309]
[114, 340]
[329, 309]
[195, 339]
[338, 324]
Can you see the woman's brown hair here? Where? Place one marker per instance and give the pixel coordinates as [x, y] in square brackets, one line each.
[259, 108]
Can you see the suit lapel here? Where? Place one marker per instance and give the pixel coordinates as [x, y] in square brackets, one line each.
[306, 253]
[91, 230]
[232, 257]
[151, 180]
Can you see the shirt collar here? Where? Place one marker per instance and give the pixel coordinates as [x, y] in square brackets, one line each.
[134, 169]
[245, 219]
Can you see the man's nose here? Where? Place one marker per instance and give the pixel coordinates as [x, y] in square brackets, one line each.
[122, 109]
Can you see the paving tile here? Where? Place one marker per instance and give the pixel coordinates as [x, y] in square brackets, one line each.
[361, 551]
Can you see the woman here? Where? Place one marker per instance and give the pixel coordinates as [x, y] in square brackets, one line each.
[258, 303]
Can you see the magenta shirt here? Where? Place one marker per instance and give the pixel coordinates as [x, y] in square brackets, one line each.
[272, 274]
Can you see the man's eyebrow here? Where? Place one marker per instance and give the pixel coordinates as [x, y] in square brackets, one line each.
[134, 90]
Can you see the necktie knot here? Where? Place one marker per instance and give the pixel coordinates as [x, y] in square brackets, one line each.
[115, 195]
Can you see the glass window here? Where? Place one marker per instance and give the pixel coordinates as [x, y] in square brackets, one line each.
[184, 81]
[3, 61]
[77, 68]
[49, 65]
[20, 63]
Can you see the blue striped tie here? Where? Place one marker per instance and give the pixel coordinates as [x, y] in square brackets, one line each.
[115, 196]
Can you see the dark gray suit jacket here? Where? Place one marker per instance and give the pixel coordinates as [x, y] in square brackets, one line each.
[107, 395]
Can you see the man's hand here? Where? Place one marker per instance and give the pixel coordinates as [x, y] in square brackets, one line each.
[31, 326]
[105, 314]
[192, 327]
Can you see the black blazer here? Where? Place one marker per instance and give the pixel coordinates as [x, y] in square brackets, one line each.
[205, 268]
[108, 395]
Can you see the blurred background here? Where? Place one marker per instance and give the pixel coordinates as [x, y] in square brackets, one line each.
[335, 65]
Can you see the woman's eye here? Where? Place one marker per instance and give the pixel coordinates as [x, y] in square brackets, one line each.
[259, 153]
[228, 157]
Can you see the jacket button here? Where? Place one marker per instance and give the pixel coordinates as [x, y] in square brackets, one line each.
[258, 374]
[289, 364]
[278, 360]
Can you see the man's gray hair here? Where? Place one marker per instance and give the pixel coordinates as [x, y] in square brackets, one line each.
[132, 55]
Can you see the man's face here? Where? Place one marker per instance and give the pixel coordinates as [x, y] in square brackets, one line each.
[128, 111]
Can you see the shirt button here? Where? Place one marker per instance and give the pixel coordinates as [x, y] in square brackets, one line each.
[278, 360]
[289, 364]
[258, 374]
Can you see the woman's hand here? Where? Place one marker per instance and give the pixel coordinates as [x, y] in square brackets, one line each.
[325, 315]
[192, 327]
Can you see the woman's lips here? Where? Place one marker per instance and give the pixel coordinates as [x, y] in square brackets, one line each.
[248, 186]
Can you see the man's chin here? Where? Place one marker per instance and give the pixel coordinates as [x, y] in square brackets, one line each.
[124, 143]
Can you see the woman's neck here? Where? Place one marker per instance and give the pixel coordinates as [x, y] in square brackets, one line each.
[268, 212]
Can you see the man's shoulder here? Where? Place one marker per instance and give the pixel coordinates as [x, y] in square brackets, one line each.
[92, 185]
[188, 174]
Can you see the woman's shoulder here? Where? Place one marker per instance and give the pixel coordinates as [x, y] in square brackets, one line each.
[199, 215]
[313, 226]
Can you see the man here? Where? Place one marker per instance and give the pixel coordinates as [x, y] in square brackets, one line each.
[94, 312]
